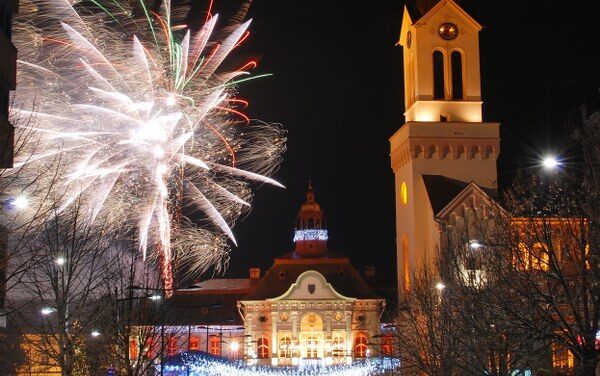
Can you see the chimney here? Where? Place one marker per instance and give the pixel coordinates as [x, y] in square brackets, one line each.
[254, 273]
[370, 271]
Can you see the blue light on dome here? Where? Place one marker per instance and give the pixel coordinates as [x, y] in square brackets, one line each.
[310, 234]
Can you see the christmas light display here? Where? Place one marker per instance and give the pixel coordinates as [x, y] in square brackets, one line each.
[197, 365]
[310, 234]
[133, 120]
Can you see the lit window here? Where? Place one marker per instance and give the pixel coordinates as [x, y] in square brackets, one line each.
[149, 348]
[285, 347]
[405, 264]
[404, 193]
[194, 343]
[387, 345]
[562, 358]
[171, 345]
[312, 347]
[133, 349]
[214, 345]
[360, 346]
[532, 258]
[262, 345]
[337, 346]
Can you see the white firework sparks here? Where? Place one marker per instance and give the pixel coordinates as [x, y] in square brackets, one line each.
[134, 118]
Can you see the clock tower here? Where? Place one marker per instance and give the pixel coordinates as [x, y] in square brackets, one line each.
[444, 140]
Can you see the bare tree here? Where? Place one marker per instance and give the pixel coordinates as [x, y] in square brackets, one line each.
[58, 304]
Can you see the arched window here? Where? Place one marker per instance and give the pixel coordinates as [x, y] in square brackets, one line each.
[312, 347]
[360, 346]
[405, 264]
[311, 223]
[387, 345]
[285, 347]
[438, 75]
[457, 76]
[133, 349]
[337, 346]
[262, 347]
[171, 345]
[149, 347]
[194, 343]
[214, 345]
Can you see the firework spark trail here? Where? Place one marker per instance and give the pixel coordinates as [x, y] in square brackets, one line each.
[142, 120]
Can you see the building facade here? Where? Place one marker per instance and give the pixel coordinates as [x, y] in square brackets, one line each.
[444, 137]
[444, 156]
[311, 307]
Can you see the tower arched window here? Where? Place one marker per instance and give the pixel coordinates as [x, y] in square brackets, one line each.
[311, 223]
[457, 75]
[438, 75]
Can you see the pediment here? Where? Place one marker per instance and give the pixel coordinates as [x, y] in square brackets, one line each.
[311, 285]
[470, 194]
[449, 7]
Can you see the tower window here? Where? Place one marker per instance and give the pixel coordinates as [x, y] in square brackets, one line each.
[311, 223]
[457, 76]
[405, 264]
[438, 75]
[404, 193]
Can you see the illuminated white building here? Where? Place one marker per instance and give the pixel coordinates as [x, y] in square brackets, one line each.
[444, 156]
[311, 305]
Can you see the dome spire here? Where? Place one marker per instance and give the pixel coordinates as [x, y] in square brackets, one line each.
[311, 231]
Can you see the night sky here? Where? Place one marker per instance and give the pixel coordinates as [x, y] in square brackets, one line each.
[337, 89]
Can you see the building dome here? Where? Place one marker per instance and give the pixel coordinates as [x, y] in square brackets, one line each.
[311, 230]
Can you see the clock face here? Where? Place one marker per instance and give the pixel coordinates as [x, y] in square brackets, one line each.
[448, 31]
[408, 39]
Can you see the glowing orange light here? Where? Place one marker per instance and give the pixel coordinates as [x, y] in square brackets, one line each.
[214, 51]
[243, 38]
[251, 64]
[236, 100]
[209, 12]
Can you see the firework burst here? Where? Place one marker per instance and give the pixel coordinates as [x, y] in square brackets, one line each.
[135, 119]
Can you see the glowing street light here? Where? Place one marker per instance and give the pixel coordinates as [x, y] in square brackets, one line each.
[550, 163]
[440, 286]
[47, 310]
[20, 202]
[234, 346]
[95, 333]
[155, 297]
[60, 261]
[474, 244]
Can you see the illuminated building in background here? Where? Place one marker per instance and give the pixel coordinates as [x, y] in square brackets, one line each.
[444, 153]
[311, 306]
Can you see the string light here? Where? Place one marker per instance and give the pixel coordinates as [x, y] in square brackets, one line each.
[310, 234]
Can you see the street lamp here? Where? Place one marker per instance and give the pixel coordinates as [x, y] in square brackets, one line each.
[474, 244]
[550, 162]
[20, 202]
[47, 310]
[60, 261]
[95, 333]
[440, 286]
